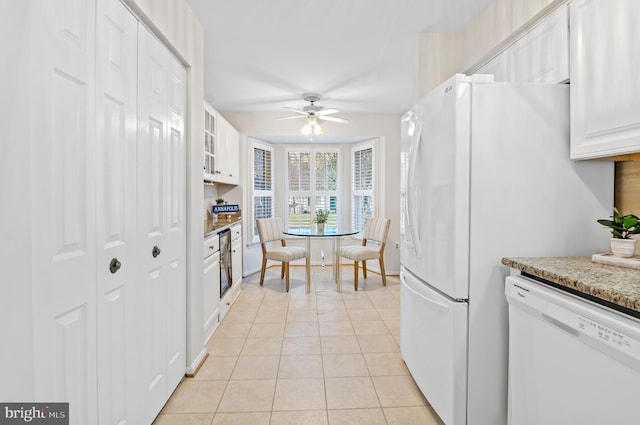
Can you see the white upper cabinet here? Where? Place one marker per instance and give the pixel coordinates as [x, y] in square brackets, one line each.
[542, 54]
[539, 55]
[222, 149]
[228, 164]
[496, 67]
[210, 119]
[605, 64]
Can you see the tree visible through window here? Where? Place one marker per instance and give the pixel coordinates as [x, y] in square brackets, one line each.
[312, 184]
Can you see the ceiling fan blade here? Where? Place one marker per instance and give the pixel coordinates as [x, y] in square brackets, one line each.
[295, 110]
[327, 111]
[334, 119]
[291, 118]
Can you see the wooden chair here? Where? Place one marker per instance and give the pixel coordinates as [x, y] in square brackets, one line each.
[269, 230]
[375, 229]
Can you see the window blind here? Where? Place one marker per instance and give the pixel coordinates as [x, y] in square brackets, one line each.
[362, 186]
[312, 184]
[261, 169]
[263, 193]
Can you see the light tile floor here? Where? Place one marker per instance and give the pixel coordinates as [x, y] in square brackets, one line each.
[323, 358]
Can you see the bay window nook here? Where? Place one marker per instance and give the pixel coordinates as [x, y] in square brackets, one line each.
[306, 177]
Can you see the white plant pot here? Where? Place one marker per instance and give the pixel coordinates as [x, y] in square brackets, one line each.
[623, 247]
[320, 227]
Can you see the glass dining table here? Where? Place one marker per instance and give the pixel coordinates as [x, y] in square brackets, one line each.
[328, 232]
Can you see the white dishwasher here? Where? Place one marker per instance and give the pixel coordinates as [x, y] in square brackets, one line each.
[571, 361]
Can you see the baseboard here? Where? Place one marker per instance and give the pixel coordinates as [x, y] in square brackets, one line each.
[194, 367]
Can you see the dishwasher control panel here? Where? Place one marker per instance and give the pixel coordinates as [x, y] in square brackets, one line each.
[609, 336]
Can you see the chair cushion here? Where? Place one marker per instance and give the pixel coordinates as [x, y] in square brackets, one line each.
[286, 253]
[360, 253]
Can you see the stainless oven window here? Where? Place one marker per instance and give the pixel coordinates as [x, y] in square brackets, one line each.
[226, 278]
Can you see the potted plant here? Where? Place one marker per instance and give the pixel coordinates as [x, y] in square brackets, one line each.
[219, 201]
[622, 227]
[321, 218]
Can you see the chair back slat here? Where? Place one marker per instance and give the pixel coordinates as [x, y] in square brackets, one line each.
[269, 229]
[376, 229]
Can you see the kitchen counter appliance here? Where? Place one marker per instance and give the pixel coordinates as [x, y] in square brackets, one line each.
[486, 173]
[571, 361]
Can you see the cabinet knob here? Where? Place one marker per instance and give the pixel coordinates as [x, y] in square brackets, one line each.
[155, 251]
[114, 265]
[211, 247]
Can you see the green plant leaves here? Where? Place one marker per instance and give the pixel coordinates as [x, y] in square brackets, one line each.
[622, 226]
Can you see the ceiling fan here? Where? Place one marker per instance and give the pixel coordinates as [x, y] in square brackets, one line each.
[313, 114]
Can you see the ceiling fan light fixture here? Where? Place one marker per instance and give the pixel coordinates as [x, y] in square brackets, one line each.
[313, 115]
[312, 126]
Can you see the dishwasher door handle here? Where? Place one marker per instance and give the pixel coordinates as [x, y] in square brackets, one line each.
[561, 325]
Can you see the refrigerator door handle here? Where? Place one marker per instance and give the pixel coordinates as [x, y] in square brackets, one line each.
[438, 305]
[412, 166]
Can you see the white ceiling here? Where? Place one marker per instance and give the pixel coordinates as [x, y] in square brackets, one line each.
[261, 55]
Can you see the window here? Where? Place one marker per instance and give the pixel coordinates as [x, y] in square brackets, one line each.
[312, 184]
[262, 197]
[362, 185]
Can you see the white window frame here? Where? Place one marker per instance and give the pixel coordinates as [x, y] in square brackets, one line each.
[364, 192]
[313, 192]
[260, 193]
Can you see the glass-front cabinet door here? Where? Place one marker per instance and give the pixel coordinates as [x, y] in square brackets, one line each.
[209, 145]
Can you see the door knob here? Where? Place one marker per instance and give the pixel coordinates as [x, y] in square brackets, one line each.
[114, 265]
[155, 251]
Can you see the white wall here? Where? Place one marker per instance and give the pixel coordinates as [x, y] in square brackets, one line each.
[361, 127]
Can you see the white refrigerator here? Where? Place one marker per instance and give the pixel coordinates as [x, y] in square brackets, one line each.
[486, 175]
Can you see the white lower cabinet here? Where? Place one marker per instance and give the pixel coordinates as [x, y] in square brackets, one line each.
[232, 293]
[211, 296]
[108, 251]
[236, 255]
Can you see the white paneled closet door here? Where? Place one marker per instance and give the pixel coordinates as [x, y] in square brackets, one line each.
[161, 222]
[117, 306]
[63, 192]
[176, 243]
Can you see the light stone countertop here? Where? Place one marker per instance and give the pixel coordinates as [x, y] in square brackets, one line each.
[617, 285]
[212, 227]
